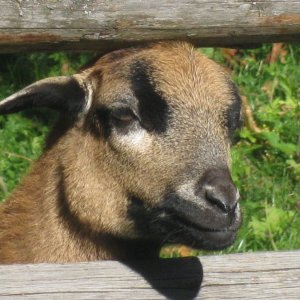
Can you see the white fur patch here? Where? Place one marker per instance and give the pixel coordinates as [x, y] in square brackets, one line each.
[138, 140]
[187, 191]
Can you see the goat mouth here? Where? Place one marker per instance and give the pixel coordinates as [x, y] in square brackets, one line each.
[186, 223]
[196, 236]
[176, 226]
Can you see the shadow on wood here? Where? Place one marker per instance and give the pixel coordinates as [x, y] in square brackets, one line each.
[175, 278]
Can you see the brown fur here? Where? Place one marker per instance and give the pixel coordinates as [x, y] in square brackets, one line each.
[73, 205]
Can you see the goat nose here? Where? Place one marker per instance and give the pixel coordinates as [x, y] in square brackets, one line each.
[218, 190]
[221, 197]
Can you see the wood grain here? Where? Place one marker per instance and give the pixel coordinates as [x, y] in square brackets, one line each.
[265, 275]
[103, 25]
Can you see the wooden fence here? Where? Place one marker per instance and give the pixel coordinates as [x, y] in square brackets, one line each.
[265, 275]
[101, 25]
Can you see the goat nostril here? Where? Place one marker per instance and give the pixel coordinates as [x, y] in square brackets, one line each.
[227, 203]
[218, 190]
[210, 195]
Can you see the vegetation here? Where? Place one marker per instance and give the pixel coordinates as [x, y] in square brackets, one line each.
[22, 135]
[266, 160]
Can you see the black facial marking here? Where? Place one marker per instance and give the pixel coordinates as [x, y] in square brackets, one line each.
[146, 218]
[102, 117]
[153, 109]
[233, 113]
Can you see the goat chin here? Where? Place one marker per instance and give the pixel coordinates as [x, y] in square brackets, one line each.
[139, 157]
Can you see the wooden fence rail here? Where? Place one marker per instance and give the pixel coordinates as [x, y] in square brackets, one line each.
[104, 25]
[265, 275]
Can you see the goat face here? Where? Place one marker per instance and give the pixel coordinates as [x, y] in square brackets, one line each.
[158, 123]
[169, 124]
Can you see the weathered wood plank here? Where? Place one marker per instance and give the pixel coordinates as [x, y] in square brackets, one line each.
[267, 275]
[104, 25]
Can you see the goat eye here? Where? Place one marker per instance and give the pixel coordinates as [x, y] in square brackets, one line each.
[122, 117]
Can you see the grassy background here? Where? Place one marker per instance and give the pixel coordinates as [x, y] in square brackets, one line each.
[266, 160]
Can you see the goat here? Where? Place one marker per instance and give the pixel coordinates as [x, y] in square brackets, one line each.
[139, 157]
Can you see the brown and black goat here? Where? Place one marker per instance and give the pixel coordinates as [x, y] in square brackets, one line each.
[138, 158]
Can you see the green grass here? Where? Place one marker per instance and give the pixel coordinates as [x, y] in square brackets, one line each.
[266, 165]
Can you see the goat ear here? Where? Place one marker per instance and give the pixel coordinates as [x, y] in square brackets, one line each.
[63, 93]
